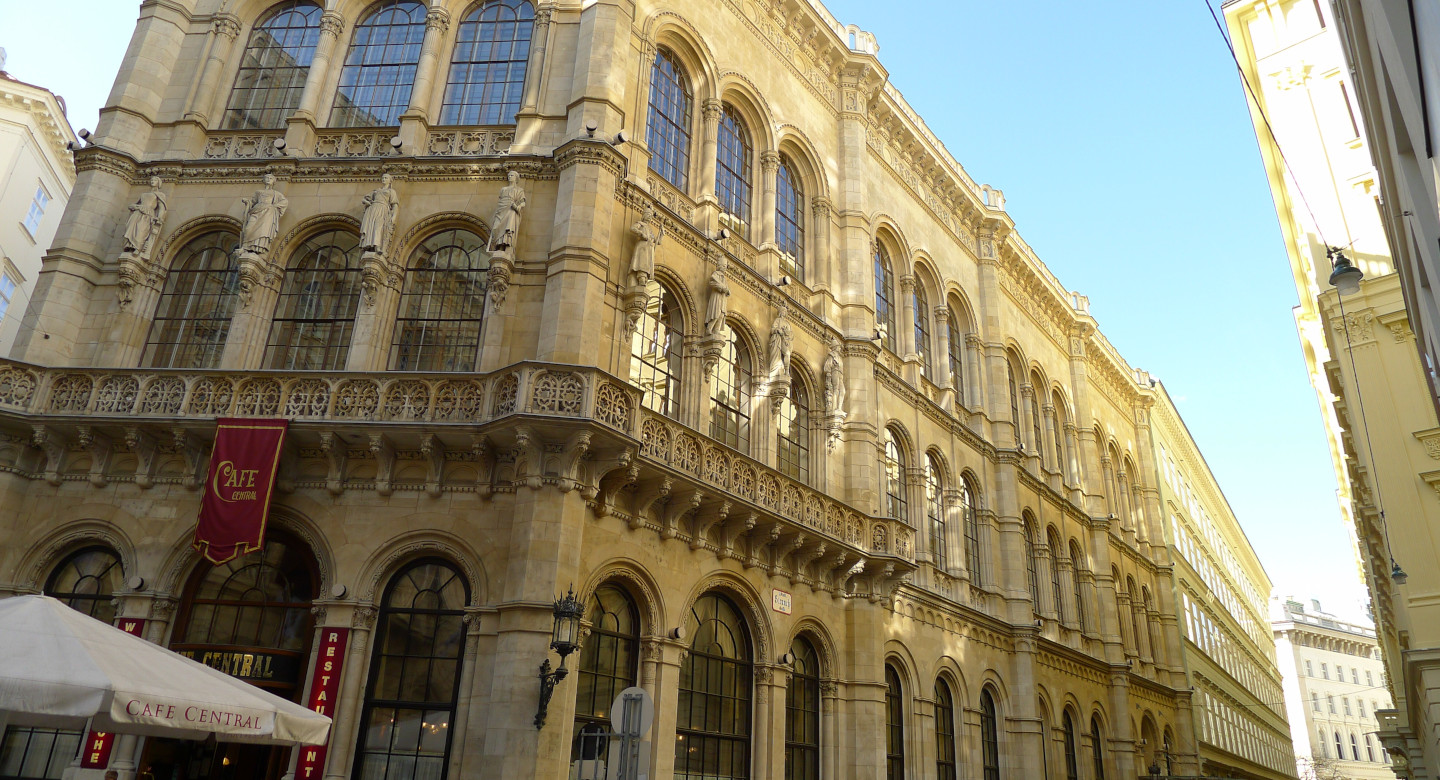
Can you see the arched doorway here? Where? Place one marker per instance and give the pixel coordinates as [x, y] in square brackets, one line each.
[249, 618]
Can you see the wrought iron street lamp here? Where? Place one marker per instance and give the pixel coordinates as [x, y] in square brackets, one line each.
[1343, 274]
[564, 640]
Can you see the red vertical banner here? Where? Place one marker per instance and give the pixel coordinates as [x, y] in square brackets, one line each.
[237, 489]
[324, 689]
[98, 744]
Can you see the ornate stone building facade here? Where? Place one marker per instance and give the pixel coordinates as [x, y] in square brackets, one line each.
[678, 304]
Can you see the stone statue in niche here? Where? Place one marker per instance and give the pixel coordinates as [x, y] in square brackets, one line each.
[147, 215]
[261, 222]
[834, 380]
[642, 260]
[718, 302]
[382, 206]
[782, 341]
[505, 225]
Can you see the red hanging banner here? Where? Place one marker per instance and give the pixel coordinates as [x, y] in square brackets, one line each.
[98, 744]
[237, 489]
[324, 687]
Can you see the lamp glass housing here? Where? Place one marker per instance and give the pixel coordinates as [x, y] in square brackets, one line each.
[566, 636]
[1344, 275]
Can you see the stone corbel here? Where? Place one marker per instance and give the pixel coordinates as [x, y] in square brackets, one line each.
[529, 454]
[633, 303]
[100, 448]
[760, 539]
[610, 487]
[377, 271]
[485, 461]
[778, 390]
[836, 569]
[285, 474]
[574, 453]
[731, 529]
[384, 450]
[193, 451]
[712, 347]
[49, 441]
[705, 520]
[676, 508]
[498, 280]
[141, 443]
[656, 493]
[833, 422]
[600, 472]
[434, 451]
[255, 271]
[805, 557]
[335, 454]
[135, 271]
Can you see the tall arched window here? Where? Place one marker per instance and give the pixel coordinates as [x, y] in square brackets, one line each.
[192, 319]
[1037, 388]
[1072, 762]
[441, 307]
[1062, 422]
[1134, 615]
[884, 297]
[1097, 748]
[1077, 565]
[655, 351]
[667, 130]
[380, 66]
[935, 513]
[989, 737]
[944, 732]
[802, 714]
[732, 171]
[1354, 748]
[976, 556]
[712, 728]
[792, 455]
[86, 581]
[790, 220]
[957, 352]
[315, 315]
[1339, 747]
[609, 660]
[487, 70]
[1014, 401]
[731, 392]
[414, 675]
[1031, 554]
[922, 329]
[274, 67]
[1056, 576]
[892, 467]
[894, 726]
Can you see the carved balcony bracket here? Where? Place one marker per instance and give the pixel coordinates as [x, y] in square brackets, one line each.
[384, 451]
[335, 451]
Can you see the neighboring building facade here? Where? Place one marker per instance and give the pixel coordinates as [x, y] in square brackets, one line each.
[1230, 661]
[1360, 350]
[36, 176]
[1333, 674]
[898, 517]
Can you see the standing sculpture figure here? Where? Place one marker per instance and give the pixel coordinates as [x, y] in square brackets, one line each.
[505, 225]
[261, 222]
[642, 260]
[781, 341]
[719, 300]
[146, 217]
[834, 380]
[381, 207]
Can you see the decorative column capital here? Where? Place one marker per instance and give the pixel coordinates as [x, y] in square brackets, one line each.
[332, 24]
[543, 15]
[942, 316]
[907, 284]
[770, 162]
[821, 207]
[711, 110]
[1027, 390]
[1048, 409]
[973, 341]
[437, 19]
[226, 26]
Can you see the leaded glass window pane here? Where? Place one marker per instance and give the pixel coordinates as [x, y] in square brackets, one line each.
[655, 351]
[487, 71]
[793, 431]
[790, 220]
[1031, 566]
[731, 395]
[885, 298]
[1072, 763]
[732, 172]
[1056, 576]
[668, 126]
[273, 68]
[380, 67]
[1077, 565]
[315, 314]
[192, 319]
[257, 600]
[802, 714]
[37, 753]
[442, 305]
[712, 729]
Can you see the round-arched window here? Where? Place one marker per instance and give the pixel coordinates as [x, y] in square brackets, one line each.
[713, 723]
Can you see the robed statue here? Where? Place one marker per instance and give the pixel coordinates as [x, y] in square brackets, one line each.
[781, 342]
[834, 380]
[505, 225]
[146, 217]
[647, 240]
[718, 302]
[261, 222]
[382, 205]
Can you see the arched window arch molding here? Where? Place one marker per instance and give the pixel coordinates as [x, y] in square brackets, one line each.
[689, 311]
[191, 230]
[888, 243]
[671, 31]
[635, 580]
[1068, 440]
[283, 251]
[399, 551]
[42, 557]
[929, 292]
[182, 558]
[803, 380]
[425, 227]
[748, 602]
[823, 642]
[792, 142]
[689, 402]
[738, 91]
[1036, 418]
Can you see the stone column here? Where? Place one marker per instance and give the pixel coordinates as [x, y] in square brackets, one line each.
[1026, 743]
[941, 358]
[1124, 611]
[260, 282]
[346, 720]
[704, 189]
[375, 319]
[208, 101]
[769, 169]
[1046, 566]
[300, 127]
[415, 122]
[1074, 476]
[1053, 446]
[466, 701]
[829, 729]
[1122, 741]
[1071, 615]
[974, 387]
[1107, 615]
[955, 535]
[1142, 636]
[819, 264]
[922, 737]
[1085, 593]
[539, 37]
[667, 656]
[905, 339]
[769, 730]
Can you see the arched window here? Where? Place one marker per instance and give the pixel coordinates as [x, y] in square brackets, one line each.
[1324, 746]
[894, 726]
[790, 220]
[442, 305]
[922, 329]
[712, 729]
[414, 675]
[1369, 749]
[944, 732]
[1056, 576]
[609, 660]
[86, 581]
[192, 319]
[884, 297]
[1097, 748]
[1037, 386]
[957, 352]
[731, 392]
[655, 351]
[802, 714]
[315, 315]
[989, 737]
[792, 455]
[274, 67]
[1077, 565]
[977, 558]
[1014, 401]
[892, 467]
[732, 172]
[1032, 569]
[487, 70]
[380, 66]
[935, 513]
[1339, 746]
[667, 130]
[1072, 763]
[1354, 748]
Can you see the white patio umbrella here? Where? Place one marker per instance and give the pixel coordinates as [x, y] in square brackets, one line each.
[62, 669]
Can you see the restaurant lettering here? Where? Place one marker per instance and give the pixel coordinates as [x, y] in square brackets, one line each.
[264, 667]
[236, 503]
[324, 687]
[151, 712]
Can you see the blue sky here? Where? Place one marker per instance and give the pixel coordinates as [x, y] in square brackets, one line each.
[1119, 134]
